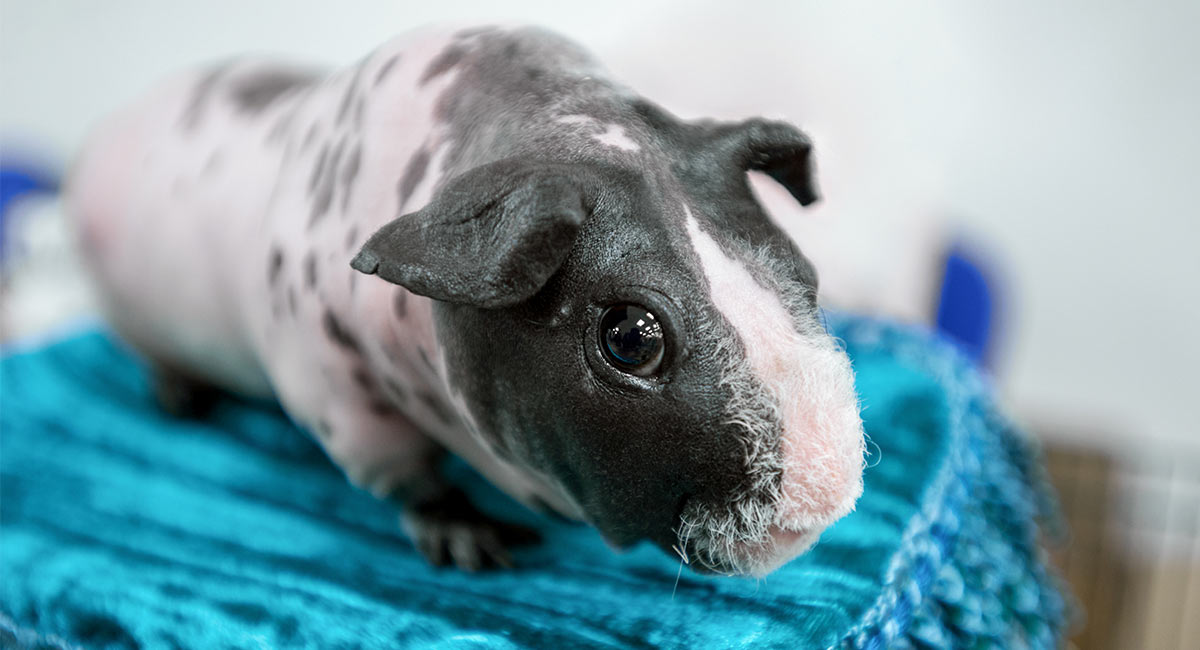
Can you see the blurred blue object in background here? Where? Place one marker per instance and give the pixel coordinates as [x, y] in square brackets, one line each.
[20, 176]
[967, 303]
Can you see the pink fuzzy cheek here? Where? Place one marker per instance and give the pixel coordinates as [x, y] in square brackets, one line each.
[822, 469]
[813, 488]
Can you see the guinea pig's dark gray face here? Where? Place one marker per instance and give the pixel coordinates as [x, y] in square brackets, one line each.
[646, 342]
[604, 381]
[624, 383]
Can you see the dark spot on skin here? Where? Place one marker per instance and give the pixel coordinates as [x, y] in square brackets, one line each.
[351, 237]
[291, 298]
[386, 68]
[274, 265]
[351, 87]
[324, 431]
[321, 205]
[435, 405]
[338, 333]
[441, 64]
[318, 170]
[380, 407]
[359, 107]
[425, 359]
[325, 185]
[395, 390]
[376, 401]
[349, 173]
[400, 303]
[331, 169]
[200, 96]
[413, 174]
[309, 138]
[449, 106]
[362, 378]
[310, 270]
[254, 92]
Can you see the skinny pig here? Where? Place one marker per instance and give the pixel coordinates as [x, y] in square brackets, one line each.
[475, 241]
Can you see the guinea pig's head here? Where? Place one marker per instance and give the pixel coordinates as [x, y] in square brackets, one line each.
[646, 340]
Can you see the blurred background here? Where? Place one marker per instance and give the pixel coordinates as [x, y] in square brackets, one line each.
[1022, 176]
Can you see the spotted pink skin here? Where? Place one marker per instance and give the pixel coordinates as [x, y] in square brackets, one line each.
[195, 219]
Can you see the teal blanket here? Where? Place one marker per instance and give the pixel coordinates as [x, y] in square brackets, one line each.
[122, 527]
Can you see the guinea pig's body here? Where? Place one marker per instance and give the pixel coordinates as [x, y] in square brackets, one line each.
[509, 213]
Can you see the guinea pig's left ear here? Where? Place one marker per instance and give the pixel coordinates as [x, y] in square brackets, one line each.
[778, 149]
[491, 237]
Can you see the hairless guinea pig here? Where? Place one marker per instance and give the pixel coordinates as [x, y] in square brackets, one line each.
[475, 241]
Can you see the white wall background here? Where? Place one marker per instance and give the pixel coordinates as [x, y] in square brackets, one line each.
[1064, 136]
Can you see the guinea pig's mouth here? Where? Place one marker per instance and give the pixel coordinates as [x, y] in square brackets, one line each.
[741, 538]
[748, 536]
[752, 557]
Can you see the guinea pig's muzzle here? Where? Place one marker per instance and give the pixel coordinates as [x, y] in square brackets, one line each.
[753, 536]
[802, 469]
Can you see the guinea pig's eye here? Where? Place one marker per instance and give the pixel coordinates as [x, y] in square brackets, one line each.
[631, 339]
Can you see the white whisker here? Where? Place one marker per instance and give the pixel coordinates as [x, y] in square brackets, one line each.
[678, 575]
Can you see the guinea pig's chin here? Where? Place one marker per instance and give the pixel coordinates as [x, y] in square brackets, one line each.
[757, 558]
[785, 545]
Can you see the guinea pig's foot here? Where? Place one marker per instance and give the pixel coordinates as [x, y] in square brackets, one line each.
[182, 396]
[448, 529]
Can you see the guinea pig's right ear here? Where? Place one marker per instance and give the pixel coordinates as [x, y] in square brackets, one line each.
[491, 237]
[777, 149]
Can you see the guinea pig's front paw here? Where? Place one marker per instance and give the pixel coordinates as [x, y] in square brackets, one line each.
[447, 528]
[181, 396]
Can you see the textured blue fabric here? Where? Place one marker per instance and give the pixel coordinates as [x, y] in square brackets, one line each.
[123, 527]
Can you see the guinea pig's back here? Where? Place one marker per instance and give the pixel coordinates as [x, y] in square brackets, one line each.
[164, 230]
